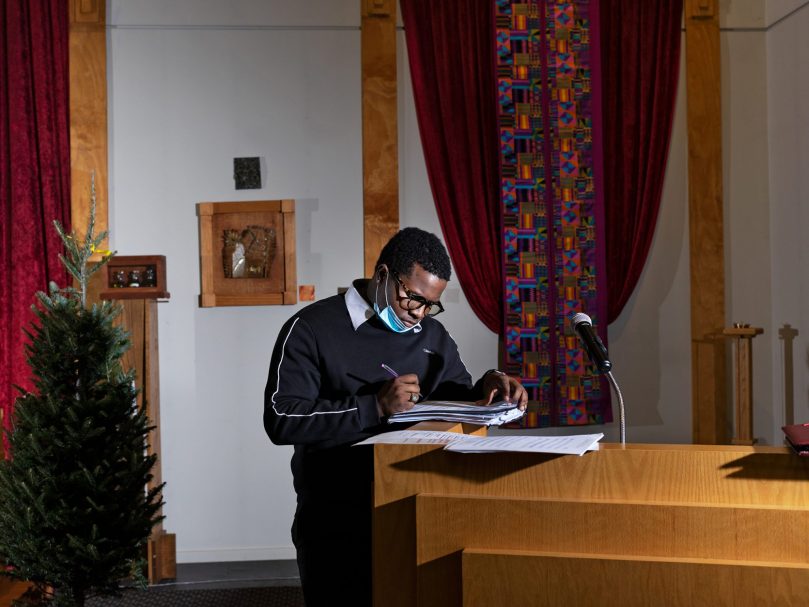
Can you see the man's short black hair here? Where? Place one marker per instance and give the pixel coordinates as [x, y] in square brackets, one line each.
[415, 246]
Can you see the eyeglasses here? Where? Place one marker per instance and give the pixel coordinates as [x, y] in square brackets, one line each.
[412, 301]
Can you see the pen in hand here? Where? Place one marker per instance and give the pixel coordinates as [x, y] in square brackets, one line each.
[415, 396]
[389, 370]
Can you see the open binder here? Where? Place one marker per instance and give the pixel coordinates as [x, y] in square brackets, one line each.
[797, 436]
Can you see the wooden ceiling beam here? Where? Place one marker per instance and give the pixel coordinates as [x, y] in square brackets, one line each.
[380, 163]
[88, 112]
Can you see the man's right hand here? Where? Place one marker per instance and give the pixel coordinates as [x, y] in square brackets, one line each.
[398, 394]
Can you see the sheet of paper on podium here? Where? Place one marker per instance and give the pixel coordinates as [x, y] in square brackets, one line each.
[415, 437]
[578, 444]
[495, 414]
[467, 443]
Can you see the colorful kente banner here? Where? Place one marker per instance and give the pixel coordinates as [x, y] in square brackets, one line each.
[548, 108]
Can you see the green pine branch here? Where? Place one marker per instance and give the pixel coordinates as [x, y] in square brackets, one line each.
[78, 254]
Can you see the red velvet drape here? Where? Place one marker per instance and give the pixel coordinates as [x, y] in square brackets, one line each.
[640, 59]
[450, 45]
[34, 169]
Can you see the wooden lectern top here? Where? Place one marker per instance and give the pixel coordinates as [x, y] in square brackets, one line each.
[725, 522]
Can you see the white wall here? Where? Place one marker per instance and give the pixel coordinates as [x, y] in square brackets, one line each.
[746, 197]
[195, 83]
[185, 99]
[191, 87]
[788, 137]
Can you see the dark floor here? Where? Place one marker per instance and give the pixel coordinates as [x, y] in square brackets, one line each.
[236, 574]
[234, 584]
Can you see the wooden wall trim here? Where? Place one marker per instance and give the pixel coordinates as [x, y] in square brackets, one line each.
[88, 112]
[706, 227]
[380, 164]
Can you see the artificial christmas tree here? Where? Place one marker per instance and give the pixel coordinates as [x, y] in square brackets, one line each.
[75, 514]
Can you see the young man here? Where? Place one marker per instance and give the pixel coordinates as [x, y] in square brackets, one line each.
[341, 366]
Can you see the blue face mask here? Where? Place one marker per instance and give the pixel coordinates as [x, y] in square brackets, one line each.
[387, 316]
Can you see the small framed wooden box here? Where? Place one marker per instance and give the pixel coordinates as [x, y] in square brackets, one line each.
[247, 253]
[135, 277]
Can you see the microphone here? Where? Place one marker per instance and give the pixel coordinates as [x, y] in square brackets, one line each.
[583, 326]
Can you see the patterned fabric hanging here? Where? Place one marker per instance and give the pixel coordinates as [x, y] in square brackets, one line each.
[548, 111]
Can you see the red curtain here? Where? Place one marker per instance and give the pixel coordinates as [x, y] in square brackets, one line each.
[640, 59]
[34, 170]
[450, 45]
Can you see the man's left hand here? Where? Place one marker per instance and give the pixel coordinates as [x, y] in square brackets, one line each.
[505, 388]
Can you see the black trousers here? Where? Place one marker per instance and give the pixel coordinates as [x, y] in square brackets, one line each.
[333, 543]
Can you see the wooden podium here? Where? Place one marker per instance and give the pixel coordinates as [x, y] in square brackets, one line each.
[138, 298]
[639, 525]
[139, 317]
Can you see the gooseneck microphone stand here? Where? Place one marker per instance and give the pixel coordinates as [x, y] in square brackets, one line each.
[582, 326]
[621, 413]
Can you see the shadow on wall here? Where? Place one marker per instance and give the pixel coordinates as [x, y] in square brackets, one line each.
[636, 335]
[642, 361]
[309, 262]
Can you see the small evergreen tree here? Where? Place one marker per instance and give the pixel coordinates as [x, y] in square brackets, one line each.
[75, 514]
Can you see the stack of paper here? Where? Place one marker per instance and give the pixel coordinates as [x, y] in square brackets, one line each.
[455, 411]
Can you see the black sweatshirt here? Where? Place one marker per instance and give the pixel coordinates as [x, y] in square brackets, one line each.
[322, 385]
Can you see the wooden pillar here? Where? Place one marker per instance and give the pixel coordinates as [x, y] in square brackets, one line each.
[788, 335]
[706, 230]
[380, 164]
[743, 335]
[88, 161]
[88, 112]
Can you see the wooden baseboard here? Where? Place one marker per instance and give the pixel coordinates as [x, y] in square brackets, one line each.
[162, 557]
